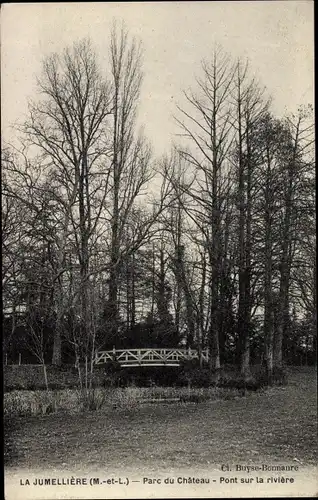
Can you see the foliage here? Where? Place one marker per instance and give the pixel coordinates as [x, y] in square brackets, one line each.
[194, 375]
[150, 333]
[91, 399]
[41, 403]
[30, 377]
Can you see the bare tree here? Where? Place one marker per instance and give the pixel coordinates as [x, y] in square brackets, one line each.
[297, 163]
[68, 130]
[131, 166]
[269, 137]
[208, 126]
[249, 109]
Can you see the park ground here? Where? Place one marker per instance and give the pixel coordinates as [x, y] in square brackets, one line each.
[276, 426]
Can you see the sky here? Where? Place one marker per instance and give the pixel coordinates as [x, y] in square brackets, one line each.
[276, 36]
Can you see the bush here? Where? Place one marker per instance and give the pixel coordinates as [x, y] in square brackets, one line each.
[280, 376]
[24, 403]
[240, 383]
[15, 405]
[194, 398]
[258, 379]
[144, 376]
[91, 399]
[40, 403]
[127, 397]
[112, 367]
[30, 377]
[191, 373]
[111, 374]
[260, 375]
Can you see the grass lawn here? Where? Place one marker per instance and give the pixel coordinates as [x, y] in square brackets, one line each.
[275, 426]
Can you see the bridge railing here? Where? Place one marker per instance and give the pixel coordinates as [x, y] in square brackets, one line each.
[149, 356]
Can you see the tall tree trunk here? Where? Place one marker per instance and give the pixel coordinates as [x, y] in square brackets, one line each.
[84, 255]
[178, 264]
[214, 343]
[268, 276]
[245, 355]
[131, 292]
[283, 315]
[128, 295]
[315, 301]
[153, 281]
[182, 277]
[285, 262]
[215, 247]
[200, 316]
[242, 306]
[57, 341]
[112, 305]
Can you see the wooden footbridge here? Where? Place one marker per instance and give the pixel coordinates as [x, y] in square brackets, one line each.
[149, 357]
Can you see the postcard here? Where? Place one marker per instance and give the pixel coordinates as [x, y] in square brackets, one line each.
[158, 250]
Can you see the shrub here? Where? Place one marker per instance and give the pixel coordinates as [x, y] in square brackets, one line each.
[23, 403]
[40, 403]
[127, 397]
[91, 399]
[111, 372]
[30, 377]
[240, 383]
[194, 398]
[15, 405]
[191, 373]
[112, 367]
[280, 376]
[142, 377]
[229, 394]
[260, 374]
[200, 377]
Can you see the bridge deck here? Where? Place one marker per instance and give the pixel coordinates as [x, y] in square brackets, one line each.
[149, 357]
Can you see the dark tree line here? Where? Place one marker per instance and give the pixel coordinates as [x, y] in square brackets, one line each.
[105, 245]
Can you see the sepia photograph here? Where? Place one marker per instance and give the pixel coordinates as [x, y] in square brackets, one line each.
[159, 290]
